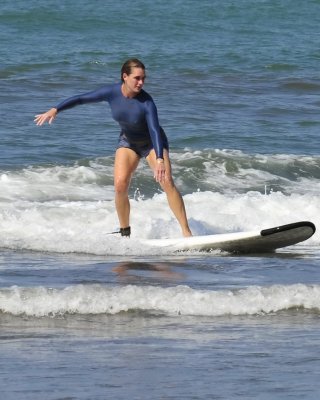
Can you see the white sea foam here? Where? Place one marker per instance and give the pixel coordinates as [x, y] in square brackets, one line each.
[71, 209]
[179, 300]
[83, 226]
[232, 171]
[54, 183]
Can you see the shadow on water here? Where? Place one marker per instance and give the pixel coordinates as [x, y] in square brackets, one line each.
[139, 271]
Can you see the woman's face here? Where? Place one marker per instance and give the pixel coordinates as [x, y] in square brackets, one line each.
[134, 81]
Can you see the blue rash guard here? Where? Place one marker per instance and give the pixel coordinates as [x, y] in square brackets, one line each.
[137, 117]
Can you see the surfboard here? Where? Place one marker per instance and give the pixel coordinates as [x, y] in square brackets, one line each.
[263, 241]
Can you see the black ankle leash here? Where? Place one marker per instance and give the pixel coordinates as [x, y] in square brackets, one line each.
[123, 231]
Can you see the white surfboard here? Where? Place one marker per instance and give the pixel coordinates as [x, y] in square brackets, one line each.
[267, 240]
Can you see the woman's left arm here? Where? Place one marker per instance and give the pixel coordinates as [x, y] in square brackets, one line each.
[154, 129]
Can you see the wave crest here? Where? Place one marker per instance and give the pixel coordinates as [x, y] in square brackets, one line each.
[179, 300]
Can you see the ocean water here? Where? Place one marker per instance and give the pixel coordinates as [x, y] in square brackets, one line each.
[87, 315]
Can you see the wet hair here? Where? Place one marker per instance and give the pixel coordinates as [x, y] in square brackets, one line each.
[129, 65]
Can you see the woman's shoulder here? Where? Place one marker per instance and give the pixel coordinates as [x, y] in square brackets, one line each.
[111, 87]
[108, 91]
[145, 96]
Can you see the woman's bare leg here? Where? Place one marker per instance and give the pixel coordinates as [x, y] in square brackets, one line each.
[173, 195]
[126, 162]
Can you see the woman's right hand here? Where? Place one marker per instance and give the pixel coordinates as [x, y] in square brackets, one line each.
[49, 116]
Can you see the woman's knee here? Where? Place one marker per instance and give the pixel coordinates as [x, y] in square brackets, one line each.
[168, 185]
[121, 185]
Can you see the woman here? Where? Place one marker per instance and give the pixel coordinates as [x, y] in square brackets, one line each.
[140, 136]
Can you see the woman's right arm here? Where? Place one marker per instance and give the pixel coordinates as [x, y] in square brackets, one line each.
[91, 97]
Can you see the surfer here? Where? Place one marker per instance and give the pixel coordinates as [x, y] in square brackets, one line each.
[140, 136]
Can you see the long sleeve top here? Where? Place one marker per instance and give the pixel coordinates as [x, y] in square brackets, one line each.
[137, 116]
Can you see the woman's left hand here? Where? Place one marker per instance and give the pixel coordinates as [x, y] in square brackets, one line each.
[160, 171]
